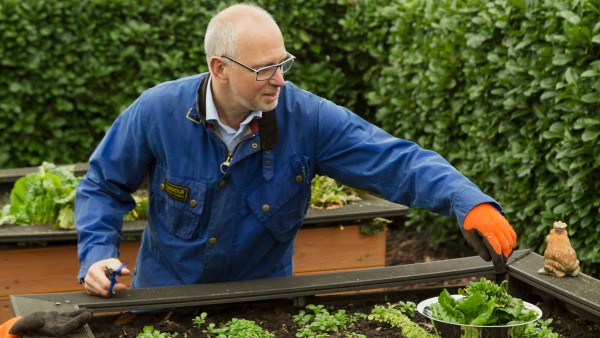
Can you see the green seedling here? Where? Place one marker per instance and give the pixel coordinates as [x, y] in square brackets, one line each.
[393, 315]
[150, 332]
[237, 328]
[316, 321]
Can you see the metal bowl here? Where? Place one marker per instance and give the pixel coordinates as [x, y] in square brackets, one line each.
[454, 330]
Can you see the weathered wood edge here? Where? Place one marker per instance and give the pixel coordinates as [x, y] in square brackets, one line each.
[581, 292]
[272, 288]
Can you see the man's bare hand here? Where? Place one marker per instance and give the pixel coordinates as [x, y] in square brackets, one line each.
[96, 281]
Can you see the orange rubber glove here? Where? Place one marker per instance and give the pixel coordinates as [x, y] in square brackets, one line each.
[6, 326]
[489, 233]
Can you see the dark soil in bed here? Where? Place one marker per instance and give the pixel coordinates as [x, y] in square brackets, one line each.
[405, 246]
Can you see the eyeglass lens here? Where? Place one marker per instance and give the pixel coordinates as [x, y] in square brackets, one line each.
[267, 73]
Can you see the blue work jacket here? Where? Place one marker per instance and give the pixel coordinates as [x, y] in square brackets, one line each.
[213, 217]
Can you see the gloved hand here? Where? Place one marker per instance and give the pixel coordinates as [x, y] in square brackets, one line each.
[51, 323]
[489, 233]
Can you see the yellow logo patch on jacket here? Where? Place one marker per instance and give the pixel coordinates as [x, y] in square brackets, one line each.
[176, 192]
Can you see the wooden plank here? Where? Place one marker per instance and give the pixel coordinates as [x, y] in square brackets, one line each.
[329, 249]
[6, 311]
[275, 288]
[581, 292]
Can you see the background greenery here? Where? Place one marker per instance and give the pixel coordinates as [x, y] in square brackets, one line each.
[507, 91]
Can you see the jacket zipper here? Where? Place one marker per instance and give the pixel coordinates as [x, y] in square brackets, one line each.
[227, 161]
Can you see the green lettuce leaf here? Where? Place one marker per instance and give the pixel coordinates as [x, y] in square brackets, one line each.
[39, 198]
[483, 303]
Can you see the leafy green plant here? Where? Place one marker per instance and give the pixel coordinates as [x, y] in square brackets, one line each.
[150, 332]
[373, 226]
[328, 193]
[198, 321]
[396, 315]
[487, 303]
[231, 329]
[45, 197]
[316, 321]
[237, 328]
[484, 303]
[540, 329]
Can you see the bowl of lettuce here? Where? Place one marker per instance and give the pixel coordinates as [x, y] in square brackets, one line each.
[482, 309]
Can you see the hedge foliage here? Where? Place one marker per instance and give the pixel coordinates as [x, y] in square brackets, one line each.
[69, 67]
[507, 90]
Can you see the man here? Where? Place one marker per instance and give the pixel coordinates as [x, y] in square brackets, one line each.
[231, 155]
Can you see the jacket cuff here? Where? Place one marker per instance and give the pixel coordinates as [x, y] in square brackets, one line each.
[467, 200]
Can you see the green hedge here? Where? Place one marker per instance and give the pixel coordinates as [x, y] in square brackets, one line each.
[508, 91]
[70, 67]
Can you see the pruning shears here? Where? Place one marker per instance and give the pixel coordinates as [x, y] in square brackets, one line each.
[112, 275]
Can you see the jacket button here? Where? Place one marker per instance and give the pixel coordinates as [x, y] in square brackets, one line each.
[221, 183]
[162, 186]
[254, 145]
[266, 208]
[299, 179]
[212, 241]
[193, 203]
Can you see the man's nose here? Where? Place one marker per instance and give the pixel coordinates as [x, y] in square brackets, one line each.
[277, 78]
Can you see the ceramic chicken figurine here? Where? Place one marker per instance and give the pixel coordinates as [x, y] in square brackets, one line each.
[559, 258]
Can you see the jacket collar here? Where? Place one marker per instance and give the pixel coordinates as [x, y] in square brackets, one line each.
[267, 125]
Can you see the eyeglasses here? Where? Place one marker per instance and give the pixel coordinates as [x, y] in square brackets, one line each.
[265, 73]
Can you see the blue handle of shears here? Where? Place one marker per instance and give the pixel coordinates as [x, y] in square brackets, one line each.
[113, 278]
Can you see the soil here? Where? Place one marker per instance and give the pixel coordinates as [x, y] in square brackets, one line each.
[405, 246]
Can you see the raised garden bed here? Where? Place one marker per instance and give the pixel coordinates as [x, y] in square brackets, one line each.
[271, 302]
[559, 298]
[322, 245]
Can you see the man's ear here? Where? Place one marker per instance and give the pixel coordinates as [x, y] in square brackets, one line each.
[217, 69]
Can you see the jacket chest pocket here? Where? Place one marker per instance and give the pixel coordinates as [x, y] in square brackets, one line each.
[281, 203]
[179, 203]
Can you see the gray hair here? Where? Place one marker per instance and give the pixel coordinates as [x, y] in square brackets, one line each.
[221, 33]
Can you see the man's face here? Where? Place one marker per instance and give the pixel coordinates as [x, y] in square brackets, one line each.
[259, 47]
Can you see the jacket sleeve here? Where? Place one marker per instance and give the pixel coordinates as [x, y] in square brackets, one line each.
[5, 327]
[360, 154]
[117, 167]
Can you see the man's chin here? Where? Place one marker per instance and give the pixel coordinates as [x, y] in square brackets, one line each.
[268, 106]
